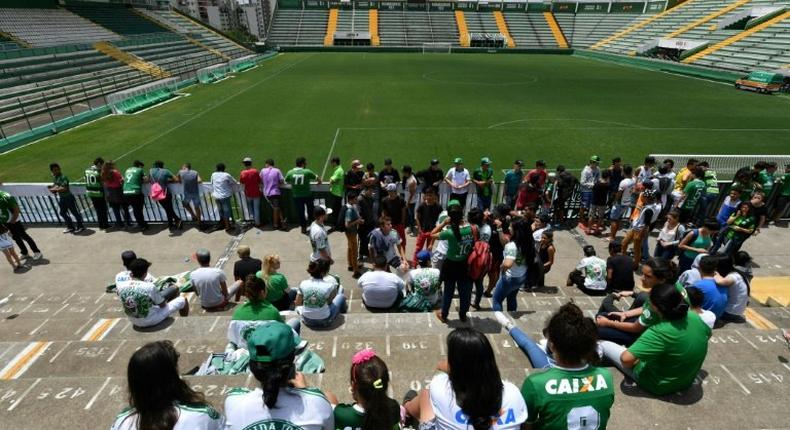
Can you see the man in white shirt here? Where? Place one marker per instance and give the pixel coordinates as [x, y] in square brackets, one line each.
[590, 274]
[623, 200]
[458, 180]
[210, 283]
[319, 240]
[143, 303]
[381, 290]
[223, 186]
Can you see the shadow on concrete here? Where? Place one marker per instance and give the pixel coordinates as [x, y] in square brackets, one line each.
[546, 290]
[161, 326]
[339, 321]
[40, 262]
[689, 397]
[86, 232]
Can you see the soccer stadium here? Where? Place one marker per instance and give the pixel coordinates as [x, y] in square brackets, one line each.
[394, 214]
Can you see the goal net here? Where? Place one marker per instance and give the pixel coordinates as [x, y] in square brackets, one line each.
[437, 48]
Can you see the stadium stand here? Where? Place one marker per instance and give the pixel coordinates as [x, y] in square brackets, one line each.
[530, 30]
[118, 18]
[392, 28]
[585, 29]
[171, 52]
[8, 44]
[51, 27]
[200, 34]
[352, 20]
[294, 27]
[481, 22]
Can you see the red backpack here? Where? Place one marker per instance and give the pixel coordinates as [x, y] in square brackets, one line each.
[479, 260]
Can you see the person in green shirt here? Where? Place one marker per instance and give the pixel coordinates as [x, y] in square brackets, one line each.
[692, 194]
[336, 190]
[257, 307]
[784, 195]
[277, 291]
[133, 179]
[95, 191]
[10, 217]
[299, 179]
[454, 274]
[483, 177]
[372, 408]
[571, 393]
[668, 356]
[741, 226]
[66, 200]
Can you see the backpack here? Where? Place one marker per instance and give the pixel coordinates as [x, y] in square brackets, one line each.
[664, 185]
[479, 260]
[158, 192]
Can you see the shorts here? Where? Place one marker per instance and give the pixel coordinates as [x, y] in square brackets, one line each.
[586, 199]
[194, 199]
[428, 425]
[274, 201]
[617, 212]
[597, 211]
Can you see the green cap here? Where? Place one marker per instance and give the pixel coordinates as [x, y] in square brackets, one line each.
[271, 342]
[458, 160]
[595, 158]
[453, 202]
[485, 160]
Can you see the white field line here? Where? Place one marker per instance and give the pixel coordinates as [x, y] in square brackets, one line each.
[329, 155]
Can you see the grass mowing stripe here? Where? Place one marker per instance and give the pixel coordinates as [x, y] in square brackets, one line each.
[220, 103]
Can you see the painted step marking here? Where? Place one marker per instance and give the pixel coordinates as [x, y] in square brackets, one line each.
[19, 364]
[100, 330]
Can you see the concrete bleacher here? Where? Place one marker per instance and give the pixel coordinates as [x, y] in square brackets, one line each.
[173, 53]
[64, 343]
[481, 22]
[62, 84]
[766, 49]
[584, 29]
[662, 25]
[294, 27]
[203, 35]
[353, 20]
[118, 18]
[530, 30]
[8, 44]
[51, 27]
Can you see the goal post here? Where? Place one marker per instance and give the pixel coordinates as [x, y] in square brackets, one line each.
[437, 48]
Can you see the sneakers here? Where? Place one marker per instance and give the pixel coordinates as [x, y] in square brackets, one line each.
[79, 229]
[503, 320]
[68, 230]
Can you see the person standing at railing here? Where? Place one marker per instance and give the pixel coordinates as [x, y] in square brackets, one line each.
[163, 177]
[66, 200]
[95, 191]
[224, 185]
[190, 183]
[251, 179]
[299, 178]
[112, 181]
[134, 177]
[10, 217]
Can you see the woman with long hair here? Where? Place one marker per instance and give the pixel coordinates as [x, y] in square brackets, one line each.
[283, 399]
[519, 252]
[469, 392]
[479, 219]
[320, 299]
[257, 307]
[740, 226]
[697, 241]
[277, 291]
[572, 343]
[113, 190]
[372, 408]
[546, 253]
[159, 399]
[454, 272]
[624, 327]
[668, 355]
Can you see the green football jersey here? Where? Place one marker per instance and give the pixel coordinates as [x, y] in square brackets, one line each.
[93, 185]
[300, 178]
[62, 181]
[693, 191]
[7, 205]
[133, 180]
[569, 398]
[351, 417]
[649, 318]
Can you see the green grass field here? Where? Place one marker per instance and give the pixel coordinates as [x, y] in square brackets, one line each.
[412, 107]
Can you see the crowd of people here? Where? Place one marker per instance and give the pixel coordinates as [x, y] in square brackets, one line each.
[696, 280]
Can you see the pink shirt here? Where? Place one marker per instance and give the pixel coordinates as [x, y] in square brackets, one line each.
[251, 181]
[271, 177]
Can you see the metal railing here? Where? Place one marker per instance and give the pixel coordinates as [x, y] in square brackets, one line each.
[38, 206]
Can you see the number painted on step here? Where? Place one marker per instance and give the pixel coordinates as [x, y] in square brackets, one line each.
[317, 346]
[92, 351]
[724, 339]
[415, 345]
[198, 349]
[419, 385]
[64, 393]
